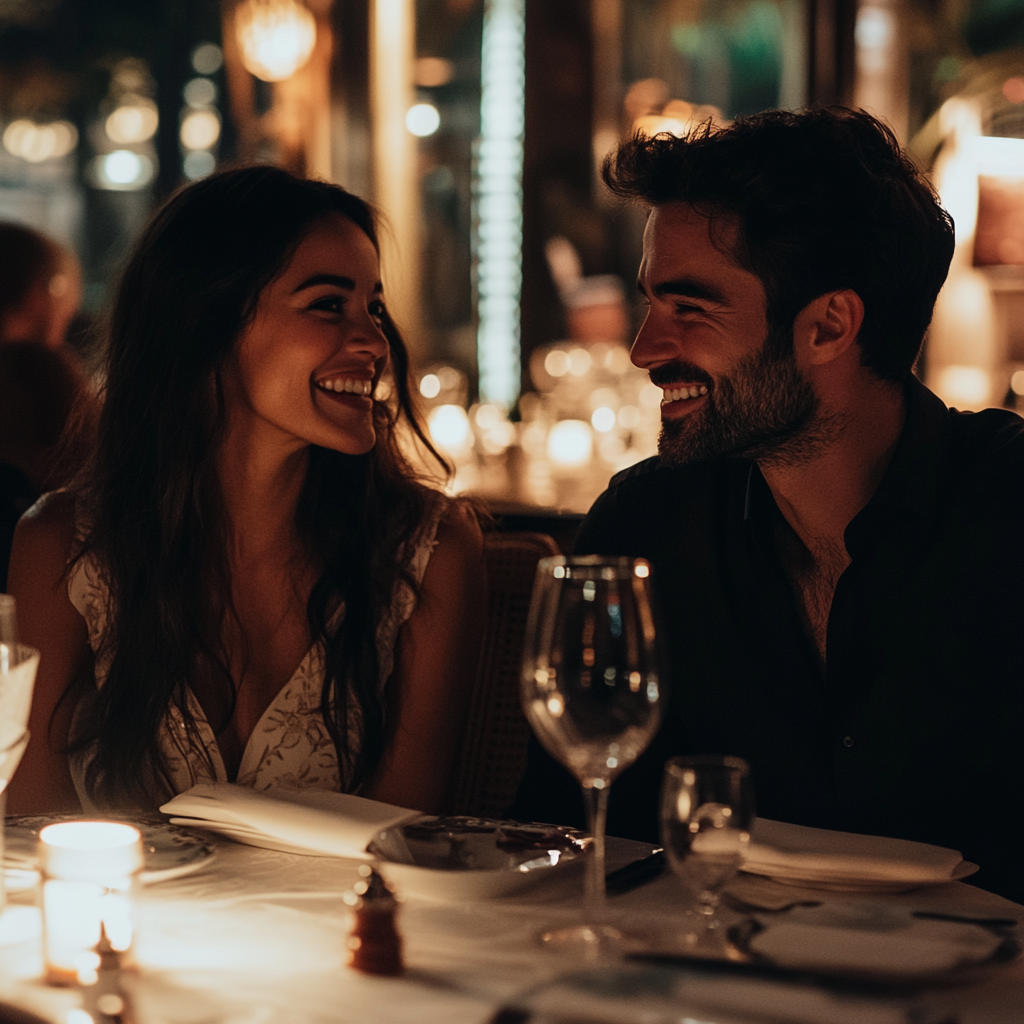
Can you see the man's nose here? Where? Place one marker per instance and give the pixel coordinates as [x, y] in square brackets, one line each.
[653, 345]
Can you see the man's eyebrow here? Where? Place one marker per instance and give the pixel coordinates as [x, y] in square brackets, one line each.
[686, 287]
[338, 281]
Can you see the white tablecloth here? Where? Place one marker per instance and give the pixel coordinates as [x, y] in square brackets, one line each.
[258, 936]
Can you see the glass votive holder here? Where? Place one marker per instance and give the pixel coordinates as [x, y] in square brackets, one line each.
[89, 885]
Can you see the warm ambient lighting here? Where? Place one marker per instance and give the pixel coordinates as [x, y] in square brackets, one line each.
[38, 142]
[570, 443]
[450, 429]
[276, 37]
[89, 871]
[134, 121]
[499, 199]
[200, 129]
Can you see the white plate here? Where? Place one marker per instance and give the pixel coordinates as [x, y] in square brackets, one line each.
[837, 883]
[168, 851]
[462, 858]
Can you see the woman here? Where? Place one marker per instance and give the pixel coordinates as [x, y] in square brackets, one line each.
[248, 511]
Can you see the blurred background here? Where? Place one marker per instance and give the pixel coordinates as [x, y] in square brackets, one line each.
[477, 127]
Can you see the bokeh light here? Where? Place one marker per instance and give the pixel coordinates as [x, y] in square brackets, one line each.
[570, 443]
[207, 58]
[276, 37]
[199, 92]
[430, 385]
[423, 119]
[123, 170]
[35, 143]
[134, 121]
[200, 129]
[450, 429]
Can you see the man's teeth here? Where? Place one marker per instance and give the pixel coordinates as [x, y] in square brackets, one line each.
[678, 394]
[353, 387]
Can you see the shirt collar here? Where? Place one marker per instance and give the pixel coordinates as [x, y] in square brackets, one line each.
[911, 480]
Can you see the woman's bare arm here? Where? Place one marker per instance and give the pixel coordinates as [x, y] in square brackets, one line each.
[48, 621]
[435, 669]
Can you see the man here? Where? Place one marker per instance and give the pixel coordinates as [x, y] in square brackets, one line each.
[838, 558]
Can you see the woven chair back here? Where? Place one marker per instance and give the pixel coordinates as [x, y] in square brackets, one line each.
[493, 756]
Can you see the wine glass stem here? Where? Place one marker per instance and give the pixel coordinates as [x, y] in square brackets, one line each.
[596, 801]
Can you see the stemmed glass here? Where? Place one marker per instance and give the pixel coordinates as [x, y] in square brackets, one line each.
[592, 691]
[18, 665]
[707, 810]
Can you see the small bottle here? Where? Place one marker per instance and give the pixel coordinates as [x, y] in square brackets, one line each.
[374, 945]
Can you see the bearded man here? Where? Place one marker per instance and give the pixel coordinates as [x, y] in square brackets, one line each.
[838, 557]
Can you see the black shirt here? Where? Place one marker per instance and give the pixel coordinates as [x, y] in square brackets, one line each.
[915, 729]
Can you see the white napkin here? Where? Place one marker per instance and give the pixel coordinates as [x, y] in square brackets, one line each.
[846, 860]
[915, 948]
[310, 821]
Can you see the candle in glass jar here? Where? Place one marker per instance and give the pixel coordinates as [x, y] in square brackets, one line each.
[89, 874]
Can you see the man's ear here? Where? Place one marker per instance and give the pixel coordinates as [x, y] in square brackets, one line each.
[827, 327]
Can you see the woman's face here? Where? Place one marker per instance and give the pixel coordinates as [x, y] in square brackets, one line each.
[303, 371]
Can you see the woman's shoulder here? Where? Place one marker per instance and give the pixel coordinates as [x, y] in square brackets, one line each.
[50, 524]
[458, 524]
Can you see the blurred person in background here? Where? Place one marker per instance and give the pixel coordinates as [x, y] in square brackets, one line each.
[45, 418]
[40, 287]
[249, 582]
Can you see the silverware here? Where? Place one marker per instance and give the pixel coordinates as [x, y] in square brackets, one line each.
[636, 873]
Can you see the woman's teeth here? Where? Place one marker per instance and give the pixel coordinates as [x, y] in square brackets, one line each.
[353, 387]
[678, 394]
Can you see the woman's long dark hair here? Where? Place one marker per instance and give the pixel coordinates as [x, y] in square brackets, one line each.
[155, 518]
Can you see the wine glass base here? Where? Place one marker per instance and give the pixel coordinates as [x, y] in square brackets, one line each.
[589, 941]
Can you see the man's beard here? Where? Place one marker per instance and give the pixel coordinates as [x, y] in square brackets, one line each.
[765, 411]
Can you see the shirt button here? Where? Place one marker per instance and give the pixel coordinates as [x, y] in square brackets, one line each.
[847, 741]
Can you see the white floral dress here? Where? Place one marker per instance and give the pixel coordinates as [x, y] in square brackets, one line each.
[290, 745]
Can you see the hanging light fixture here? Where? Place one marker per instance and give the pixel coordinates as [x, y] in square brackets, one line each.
[276, 37]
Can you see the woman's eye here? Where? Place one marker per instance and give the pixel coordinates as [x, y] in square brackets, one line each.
[330, 303]
[377, 310]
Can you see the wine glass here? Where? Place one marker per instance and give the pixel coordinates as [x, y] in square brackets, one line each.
[707, 810]
[593, 693]
[18, 665]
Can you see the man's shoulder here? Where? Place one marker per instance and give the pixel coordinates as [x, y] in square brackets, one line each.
[651, 500]
[990, 442]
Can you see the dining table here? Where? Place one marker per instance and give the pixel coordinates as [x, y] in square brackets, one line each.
[256, 935]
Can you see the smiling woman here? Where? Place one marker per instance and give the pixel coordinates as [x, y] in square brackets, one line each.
[249, 583]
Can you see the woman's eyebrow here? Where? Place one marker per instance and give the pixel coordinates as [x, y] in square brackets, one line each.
[335, 279]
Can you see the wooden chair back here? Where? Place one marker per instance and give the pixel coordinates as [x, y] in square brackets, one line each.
[493, 756]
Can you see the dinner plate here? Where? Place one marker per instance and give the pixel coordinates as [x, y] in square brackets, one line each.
[168, 851]
[474, 858]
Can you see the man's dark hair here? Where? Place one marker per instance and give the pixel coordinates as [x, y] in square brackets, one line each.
[826, 200]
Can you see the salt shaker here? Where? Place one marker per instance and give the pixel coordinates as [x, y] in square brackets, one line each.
[374, 945]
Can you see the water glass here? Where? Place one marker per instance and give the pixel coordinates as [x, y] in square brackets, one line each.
[707, 810]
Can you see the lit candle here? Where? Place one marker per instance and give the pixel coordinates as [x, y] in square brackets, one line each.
[89, 871]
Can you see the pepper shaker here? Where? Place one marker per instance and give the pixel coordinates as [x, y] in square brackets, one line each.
[374, 945]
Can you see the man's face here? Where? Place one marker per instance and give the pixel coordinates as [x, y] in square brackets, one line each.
[731, 385]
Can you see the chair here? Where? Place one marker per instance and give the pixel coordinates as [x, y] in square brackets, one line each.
[493, 755]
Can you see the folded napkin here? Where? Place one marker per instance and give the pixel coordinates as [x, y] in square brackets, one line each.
[905, 949]
[310, 821]
[844, 860]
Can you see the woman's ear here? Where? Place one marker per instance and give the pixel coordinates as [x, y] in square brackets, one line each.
[827, 327]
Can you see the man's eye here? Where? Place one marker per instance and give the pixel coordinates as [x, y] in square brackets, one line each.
[686, 307]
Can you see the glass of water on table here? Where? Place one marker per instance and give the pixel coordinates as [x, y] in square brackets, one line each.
[707, 811]
[592, 690]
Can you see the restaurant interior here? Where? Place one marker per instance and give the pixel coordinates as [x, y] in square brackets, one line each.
[478, 129]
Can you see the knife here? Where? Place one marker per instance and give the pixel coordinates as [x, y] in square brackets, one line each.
[636, 873]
